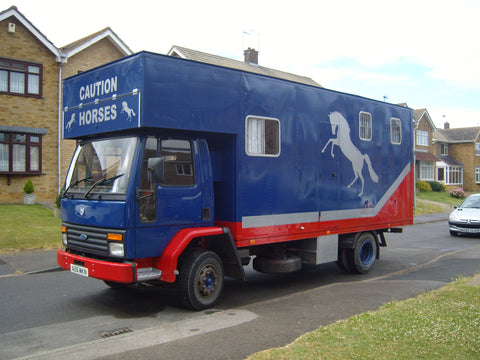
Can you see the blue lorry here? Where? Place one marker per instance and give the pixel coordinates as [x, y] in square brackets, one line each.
[185, 172]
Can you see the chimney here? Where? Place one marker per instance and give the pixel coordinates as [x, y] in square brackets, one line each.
[446, 126]
[251, 56]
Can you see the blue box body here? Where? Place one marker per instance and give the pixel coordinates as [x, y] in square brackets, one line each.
[161, 94]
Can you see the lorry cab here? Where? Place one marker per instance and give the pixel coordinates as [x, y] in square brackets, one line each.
[109, 185]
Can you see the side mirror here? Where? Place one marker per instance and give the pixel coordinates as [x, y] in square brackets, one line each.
[155, 168]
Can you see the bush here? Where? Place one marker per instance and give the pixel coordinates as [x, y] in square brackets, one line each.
[28, 187]
[457, 193]
[423, 186]
[58, 200]
[436, 186]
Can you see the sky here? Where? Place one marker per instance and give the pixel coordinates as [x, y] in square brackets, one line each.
[420, 52]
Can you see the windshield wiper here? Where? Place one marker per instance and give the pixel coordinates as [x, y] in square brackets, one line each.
[100, 182]
[75, 183]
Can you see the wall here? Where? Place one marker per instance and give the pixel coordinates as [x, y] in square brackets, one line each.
[34, 112]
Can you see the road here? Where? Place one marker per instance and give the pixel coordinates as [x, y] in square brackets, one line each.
[60, 315]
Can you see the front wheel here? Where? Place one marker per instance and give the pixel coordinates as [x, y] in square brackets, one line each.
[362, 257]
[200, 279]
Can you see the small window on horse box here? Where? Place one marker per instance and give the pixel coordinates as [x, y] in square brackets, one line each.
[365, 123]
[262, 136]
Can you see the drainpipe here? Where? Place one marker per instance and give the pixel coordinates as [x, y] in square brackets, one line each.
[60, 128]
[415, 128]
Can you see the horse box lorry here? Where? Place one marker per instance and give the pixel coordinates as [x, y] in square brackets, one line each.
[185, 171]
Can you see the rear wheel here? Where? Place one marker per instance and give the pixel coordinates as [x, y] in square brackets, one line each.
[200, 279]
[343, 261]
[362, 257]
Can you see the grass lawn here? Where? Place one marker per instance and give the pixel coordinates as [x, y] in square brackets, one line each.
[28, 227]
[442, 324]
[423, 207]
[442, 197]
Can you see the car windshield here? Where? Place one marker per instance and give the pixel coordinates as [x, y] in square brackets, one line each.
[472, 202]
[101, 166]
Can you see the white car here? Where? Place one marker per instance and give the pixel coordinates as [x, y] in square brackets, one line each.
[466, 217]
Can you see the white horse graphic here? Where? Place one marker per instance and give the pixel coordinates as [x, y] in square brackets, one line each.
[70, 123]
[127, 110]
[341, 129]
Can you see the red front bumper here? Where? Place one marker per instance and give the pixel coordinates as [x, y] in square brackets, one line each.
[103, 270]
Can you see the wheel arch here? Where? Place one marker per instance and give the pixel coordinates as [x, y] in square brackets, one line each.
[216, 239]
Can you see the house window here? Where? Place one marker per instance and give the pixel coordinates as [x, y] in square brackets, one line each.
[262, 136]
[20, 153]
[444, 149]
[395, 131]
[453, 175]
[477, 175]
[477, 149]
[422, 138]
[365, 123]
[17, 77]
[426, 171]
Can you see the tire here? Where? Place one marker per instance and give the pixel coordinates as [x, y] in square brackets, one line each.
[343, 261]
[268, 265]
[362, 257]
[200, 279]
[453, 233]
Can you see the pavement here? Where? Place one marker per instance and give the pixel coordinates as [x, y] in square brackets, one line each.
[40, 261]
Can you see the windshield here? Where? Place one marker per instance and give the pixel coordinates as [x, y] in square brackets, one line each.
[471, 202]
[101, 166]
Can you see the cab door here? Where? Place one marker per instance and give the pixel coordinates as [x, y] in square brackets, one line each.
[163, 208]
[180, 193]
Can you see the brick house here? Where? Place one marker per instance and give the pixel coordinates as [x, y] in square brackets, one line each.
[425, 160]
[31, 70]
[458, 151]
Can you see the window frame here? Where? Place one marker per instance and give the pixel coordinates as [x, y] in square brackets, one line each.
[362, 128]
[29, 145]
[477, 149]
[477, 175]
[11, 66]
[426, 171]
[252, 141]
[393, 128]
[424, 135]
[443, 149]
[453, 175]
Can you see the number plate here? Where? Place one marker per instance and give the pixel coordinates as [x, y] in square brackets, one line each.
[80, 270]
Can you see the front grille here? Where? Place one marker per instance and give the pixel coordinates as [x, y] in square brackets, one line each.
[468, 225]
[89, 240]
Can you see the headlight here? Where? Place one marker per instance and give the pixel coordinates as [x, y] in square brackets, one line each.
[64, 239]
[64, 236]
[116, 249]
